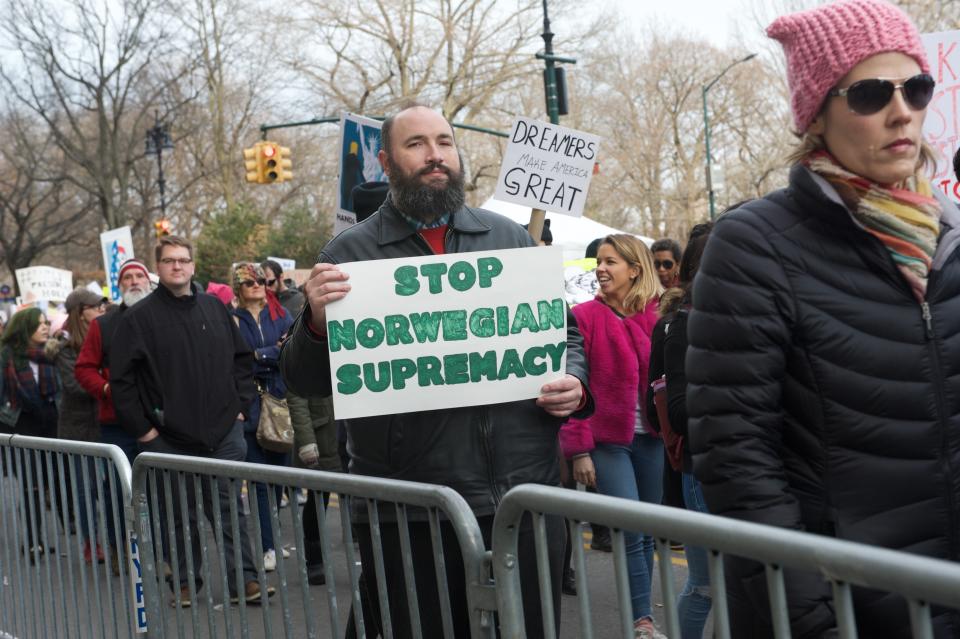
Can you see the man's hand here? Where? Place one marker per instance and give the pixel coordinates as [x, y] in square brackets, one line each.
[309, 455]
[327, 284]
[151, 435]
[584, 472]
[562, 397]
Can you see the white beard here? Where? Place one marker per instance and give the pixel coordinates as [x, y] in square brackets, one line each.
[132, 297]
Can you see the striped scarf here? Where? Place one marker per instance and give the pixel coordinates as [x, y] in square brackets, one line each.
[905, 218]
[35, 390]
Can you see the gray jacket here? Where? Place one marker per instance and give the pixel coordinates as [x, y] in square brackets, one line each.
[480, 451]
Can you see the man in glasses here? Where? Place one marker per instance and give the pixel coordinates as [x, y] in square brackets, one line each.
[182, 381]
[290, 298]
[666, 259]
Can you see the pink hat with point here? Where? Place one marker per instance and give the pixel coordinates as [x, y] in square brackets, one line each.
[822, 45]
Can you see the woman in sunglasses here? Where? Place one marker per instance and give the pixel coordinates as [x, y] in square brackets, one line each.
[263, 322]
[825, 334]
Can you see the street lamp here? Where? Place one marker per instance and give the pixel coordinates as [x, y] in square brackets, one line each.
[158, 140]
[706, 127]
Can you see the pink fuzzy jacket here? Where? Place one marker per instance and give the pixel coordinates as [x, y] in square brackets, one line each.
[618, 352]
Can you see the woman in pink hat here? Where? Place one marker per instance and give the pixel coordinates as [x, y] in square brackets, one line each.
[824, 342]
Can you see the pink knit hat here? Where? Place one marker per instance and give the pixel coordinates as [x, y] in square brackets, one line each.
[823, 44]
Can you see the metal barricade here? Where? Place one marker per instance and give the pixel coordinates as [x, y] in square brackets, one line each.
[197, 592]
[921, 580]
[48, 589]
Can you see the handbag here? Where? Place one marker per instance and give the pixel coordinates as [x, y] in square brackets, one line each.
[274, 430]
[8, 414]
[672, 442]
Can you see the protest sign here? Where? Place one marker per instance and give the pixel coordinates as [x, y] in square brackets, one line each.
[359, 147]
[547, 167]
[942, 125]
[285, 263]
[44, 283]
[441, 331]
[117, 247]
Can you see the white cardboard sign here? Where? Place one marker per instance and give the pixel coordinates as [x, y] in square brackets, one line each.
[285, 263]
[44, 283]
[441, 331]
[941, 127]
[547, 166]
[117, 247]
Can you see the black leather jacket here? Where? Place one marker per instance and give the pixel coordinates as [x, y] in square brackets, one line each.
[823, 396]
[480, 451]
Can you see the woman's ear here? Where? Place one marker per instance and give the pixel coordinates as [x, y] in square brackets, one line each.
[818, 126]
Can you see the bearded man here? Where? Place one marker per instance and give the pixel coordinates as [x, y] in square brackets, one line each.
[479, 451]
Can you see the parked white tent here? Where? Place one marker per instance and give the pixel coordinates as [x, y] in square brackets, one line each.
[571, 233]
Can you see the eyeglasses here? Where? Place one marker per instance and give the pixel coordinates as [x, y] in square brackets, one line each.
[101, 306]
[182, 261]
[271, 282]
[667, 264]
[867, 97]
[252, 283]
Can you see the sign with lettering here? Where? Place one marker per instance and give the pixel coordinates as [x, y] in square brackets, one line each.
[285, 263]
[136, 587]
[117, 247]
[547, 167]
[451, 330]
[942, 125]
[359, 148]
[44, 283]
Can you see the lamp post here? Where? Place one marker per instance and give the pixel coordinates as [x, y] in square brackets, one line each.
[706, 127]
[158, 140]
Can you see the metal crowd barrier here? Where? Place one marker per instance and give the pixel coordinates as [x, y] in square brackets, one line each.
[921, 580]
[47, 588]
[165, 484]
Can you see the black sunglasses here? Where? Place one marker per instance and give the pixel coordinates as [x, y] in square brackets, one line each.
[250, 283]
[271, 282]
[867, 97]
[667, 264]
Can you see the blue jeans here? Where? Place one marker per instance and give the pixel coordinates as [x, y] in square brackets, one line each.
[114, 434]
[633, 472]
[257, 455]
[695, 600]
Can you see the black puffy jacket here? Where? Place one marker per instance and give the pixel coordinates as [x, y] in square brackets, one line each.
[823, 397]
[479, 451]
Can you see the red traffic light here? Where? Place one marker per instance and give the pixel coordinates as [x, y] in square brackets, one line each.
[269, 151]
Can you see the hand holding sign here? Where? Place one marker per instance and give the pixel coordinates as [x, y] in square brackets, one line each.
[327, 284]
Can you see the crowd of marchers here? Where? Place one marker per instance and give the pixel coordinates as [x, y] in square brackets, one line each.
[795, 364]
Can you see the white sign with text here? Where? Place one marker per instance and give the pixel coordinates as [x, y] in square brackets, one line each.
[547, 166]
[443, 331]
[44, 283]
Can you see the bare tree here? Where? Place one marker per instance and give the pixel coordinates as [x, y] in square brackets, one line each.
[39, 209]
[94, 74]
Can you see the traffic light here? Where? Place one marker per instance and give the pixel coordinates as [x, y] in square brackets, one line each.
[285, 166]
[162, 227]
[268, 163]
[251, 163]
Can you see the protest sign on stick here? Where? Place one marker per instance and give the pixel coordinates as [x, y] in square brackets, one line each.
[441, 331]
[117, 247]
[547, 167]
[942, 125]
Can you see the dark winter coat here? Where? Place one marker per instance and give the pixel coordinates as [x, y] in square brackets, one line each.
[262, 339]
[78, 410]
[180, 365]
[823, 397]
[313, 423]
[480, 451]
[291, 299]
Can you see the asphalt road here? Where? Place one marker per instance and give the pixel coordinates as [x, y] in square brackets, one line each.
[59, 598]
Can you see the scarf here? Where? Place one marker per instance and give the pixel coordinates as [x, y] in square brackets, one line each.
[905, 218]
[273, 305]
[42, 388]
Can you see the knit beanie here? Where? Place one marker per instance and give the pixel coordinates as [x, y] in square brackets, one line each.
[822, 45]
[245, 271]
[132, 263]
